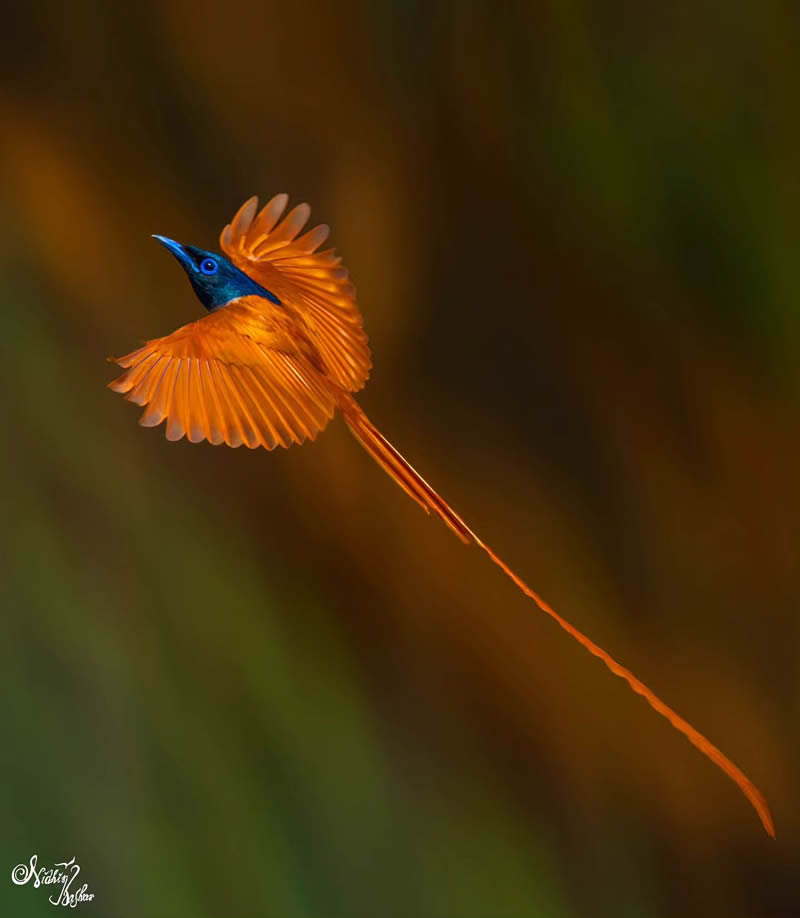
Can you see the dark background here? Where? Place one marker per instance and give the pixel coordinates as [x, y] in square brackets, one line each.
[248, 684]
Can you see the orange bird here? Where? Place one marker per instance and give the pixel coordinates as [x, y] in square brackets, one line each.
[281, 350]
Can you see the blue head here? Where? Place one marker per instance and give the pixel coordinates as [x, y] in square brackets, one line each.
[215, 280]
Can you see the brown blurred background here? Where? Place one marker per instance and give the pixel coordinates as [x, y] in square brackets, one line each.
[248, 684]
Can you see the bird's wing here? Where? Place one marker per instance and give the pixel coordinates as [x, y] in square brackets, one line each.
[312, 285]
[234, 376]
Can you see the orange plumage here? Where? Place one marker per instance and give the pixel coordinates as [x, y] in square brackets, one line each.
[264, 373]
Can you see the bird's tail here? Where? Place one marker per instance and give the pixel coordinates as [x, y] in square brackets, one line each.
[416, 487]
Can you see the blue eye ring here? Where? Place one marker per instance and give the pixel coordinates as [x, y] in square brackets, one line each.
[208, 266]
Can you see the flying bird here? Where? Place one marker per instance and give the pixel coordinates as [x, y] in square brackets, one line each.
[281, 350]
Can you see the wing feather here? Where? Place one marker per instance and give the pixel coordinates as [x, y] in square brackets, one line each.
[217, 429]
[246, 412]
[270, 214]
[140, 393]
[158, 407]
[294, 405]
[291, 413]
[268, 402]
[196, 429]
[206, 408]
[233, 434]
[137, 370]
[266, 429]
[175, 412]
[312, 285]
[135, 357]
[234, 376]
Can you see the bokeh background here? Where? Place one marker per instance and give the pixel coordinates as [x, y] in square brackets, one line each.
[248, 684]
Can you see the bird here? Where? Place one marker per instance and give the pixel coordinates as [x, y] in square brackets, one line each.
[280, 350]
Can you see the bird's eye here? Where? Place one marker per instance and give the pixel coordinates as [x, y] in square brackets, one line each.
[209, 266]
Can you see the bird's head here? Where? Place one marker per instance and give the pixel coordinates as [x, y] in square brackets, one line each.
[215, 280]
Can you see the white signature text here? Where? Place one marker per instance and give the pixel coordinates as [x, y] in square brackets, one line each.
[59, 875]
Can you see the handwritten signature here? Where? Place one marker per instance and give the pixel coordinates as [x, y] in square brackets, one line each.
[53, 876]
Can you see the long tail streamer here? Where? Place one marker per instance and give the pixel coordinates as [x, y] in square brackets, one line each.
[416, 487]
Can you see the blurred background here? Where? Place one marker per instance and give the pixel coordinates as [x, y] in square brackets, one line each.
[243, 684]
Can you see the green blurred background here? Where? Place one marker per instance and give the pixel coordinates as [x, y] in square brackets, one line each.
[245, 684]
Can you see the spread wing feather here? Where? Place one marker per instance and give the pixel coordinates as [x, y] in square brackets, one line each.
[312, 285]
[227, 379]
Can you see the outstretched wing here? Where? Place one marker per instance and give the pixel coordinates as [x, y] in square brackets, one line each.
[312, 285]
[229, 377]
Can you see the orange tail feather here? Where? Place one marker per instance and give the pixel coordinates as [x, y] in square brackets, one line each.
[416, 487]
